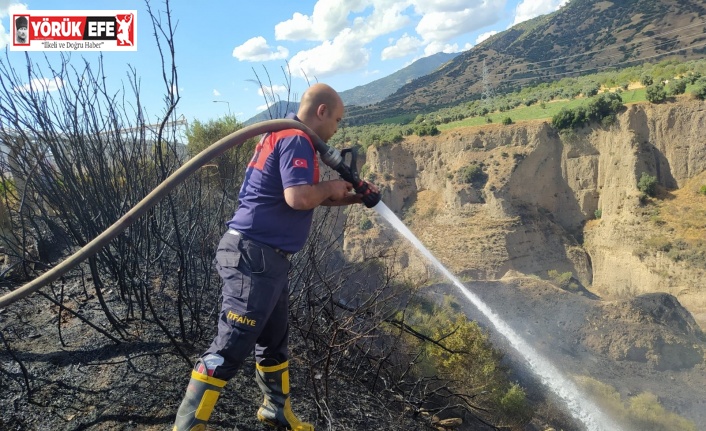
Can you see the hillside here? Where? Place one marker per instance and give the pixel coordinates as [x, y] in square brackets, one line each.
[626, 324]
[369, 93]
[583, 37]
[379, 89]
[535, 210]
[534, 213]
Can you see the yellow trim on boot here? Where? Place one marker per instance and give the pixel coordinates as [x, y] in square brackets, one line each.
[208, 379]
[294, 423]
[208, 402]
[273, 368]
[285, 382]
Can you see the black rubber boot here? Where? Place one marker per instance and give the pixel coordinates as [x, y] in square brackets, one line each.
[196, 407]
[276, 409]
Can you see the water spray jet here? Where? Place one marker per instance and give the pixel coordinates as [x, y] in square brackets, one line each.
[580, 407]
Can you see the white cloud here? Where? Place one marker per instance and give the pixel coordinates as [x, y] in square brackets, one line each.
[529, 9]
[257, 49]
[404, 46]
[42, 84]
[343, 40]
[345, 53]
[280, 90]
[436, 47]
[328, 19]
[443, 26]
[5, 37]
[344, 29]
[299, 27]
[484, 36]
[216, 92]
[7, 8]
[387, 17]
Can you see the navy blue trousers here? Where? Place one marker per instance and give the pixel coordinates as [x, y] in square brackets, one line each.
[254, 308]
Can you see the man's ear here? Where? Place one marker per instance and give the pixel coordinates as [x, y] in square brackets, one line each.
[321, 110]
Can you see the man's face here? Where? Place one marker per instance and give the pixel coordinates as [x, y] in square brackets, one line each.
[22, 32]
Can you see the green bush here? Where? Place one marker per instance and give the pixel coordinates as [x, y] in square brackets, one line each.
[700, 92]
[560, 279]
[601, 108]
[643, 410]
[507, 121]
[647, 184]
[702, 190]
[365, 223]
[656, 93]
[676, 87]
[563, 119]
[426, 130]
[591, 89]
[598, 213]
[515, 406]
[472, 174]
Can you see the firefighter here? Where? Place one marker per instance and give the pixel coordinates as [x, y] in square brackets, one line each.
[273, 219]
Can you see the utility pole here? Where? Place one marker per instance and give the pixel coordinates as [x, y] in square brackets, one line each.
[227, 103]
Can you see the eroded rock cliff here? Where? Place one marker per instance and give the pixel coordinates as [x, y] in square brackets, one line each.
[536, 208]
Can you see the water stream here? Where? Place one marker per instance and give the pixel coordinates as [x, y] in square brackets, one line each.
[578, 405]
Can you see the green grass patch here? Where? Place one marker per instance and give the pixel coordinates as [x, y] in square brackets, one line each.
[399, 119]
[536, 112]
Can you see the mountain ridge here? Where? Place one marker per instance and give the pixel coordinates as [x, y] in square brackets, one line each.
[582, 36]
[369, 93]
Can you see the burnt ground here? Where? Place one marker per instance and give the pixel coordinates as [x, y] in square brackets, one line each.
[78, 379]
[75, 378]
[646, 344]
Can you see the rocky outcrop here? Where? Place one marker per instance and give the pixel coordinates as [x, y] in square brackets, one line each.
[537, 209]
[656, 329]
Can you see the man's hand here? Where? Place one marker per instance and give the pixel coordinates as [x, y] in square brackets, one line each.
[306, 197]
[340, 189]
[350, 199]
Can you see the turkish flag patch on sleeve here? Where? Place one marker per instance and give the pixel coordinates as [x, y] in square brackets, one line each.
[299, 163]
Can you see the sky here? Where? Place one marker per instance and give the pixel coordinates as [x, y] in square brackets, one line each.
[224, 47]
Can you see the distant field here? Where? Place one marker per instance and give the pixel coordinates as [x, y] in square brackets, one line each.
[536, 112]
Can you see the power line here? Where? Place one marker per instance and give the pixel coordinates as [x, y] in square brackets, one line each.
[647, 38]
[608, 66]
[610, 56]
[487, 84]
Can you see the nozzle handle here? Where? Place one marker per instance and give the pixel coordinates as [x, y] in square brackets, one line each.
[350, 174]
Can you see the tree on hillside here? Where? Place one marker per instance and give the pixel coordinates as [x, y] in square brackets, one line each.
[656, 93]
[676, 87]
[228, 168]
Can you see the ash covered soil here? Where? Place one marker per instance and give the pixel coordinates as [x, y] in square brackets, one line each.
[72, 377]
[649, 343]
[76, 378]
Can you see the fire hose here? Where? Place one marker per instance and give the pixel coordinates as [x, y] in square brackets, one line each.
[329, 155]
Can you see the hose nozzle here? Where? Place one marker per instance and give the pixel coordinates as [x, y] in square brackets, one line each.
[335, 159]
